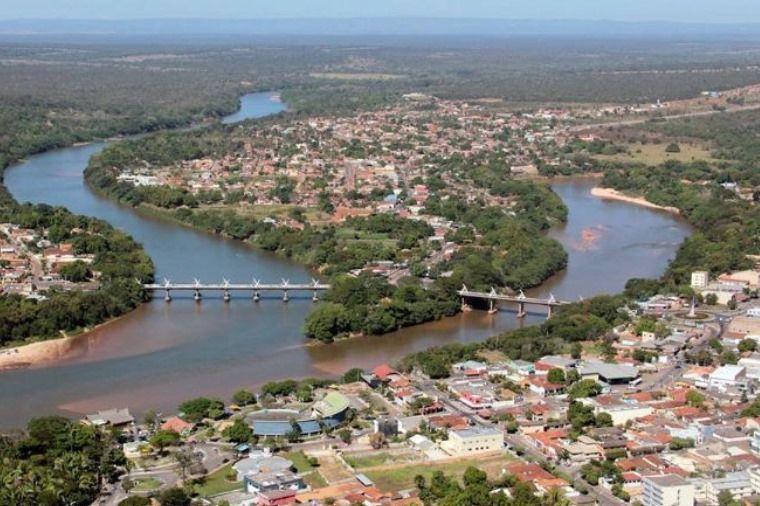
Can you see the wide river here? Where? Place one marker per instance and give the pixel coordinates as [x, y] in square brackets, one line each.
[164, 353]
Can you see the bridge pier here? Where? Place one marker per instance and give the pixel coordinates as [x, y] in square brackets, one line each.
[197, 296]
[492, 307]
[465, 307]
[227, 296]
[285, 296]
[256, 296]
[549, 311]
[168, 296]
[521, 312]
[315, 297]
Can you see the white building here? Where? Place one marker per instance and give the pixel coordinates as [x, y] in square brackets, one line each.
[728, 376]
[699, 279]
[667, 490]
[738, 484]
[473, 440]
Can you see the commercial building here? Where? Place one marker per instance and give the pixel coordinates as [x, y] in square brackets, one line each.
[667, 490]
[728, 376]
[738, 484]
[329, 412]
[473, 440]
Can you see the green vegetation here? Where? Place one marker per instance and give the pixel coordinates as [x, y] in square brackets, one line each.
[57, 462]
[728, 228]
[123, 263]
[476, 489]
[195, 410]
[217, 483]
[582, 321]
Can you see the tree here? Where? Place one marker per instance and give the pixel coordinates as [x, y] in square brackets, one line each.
[195, 410]
[584, 388]
[352, 375]
[556, 375]
[695, 399]
[603, 420]
[243, 397]
[725, 498]
[162, 439]
[150, 419]
[76, 272]
[238, 432]
[327, 321]
[673, 148]
[345, 436]
[576, 350]
[747, 345]
[711, 299]
[184, 458]
[174, 497]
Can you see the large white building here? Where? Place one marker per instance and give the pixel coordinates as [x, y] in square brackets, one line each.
[738, 484]
[667, 490]
[728, 376]
[473, 440]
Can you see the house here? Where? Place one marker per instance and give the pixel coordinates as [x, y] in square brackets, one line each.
[542, 479]
[472, 441]
[177, 424]
[667, 490]
[111, 418]
[273, 481]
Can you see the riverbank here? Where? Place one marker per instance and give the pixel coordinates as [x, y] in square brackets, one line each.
[611, 194]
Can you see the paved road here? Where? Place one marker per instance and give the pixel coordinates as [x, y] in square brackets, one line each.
[639, 121]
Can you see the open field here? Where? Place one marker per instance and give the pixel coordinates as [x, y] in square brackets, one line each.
[655, 154]
[146, 484]
[402, 477]
[216, 483]
[375, 459]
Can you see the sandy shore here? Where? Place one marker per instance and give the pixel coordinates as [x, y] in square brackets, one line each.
[36, 353]
[610, 194]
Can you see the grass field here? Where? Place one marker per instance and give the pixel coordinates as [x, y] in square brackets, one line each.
[216, 483]
[146, 484]
[655, 154]
[402, 477]
[300, 461]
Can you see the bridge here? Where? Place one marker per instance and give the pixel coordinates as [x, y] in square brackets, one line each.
[493, 297]
[255, 287]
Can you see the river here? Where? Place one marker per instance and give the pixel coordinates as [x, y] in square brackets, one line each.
[163, 353]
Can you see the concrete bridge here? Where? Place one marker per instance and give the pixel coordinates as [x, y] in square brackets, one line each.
[256, 287]
[521, 299]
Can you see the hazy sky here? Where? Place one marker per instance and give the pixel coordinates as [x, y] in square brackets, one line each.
[624, 10]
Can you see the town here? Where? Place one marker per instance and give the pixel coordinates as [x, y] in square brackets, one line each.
[656, 413]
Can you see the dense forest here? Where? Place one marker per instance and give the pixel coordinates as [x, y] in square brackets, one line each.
[57, 462]
[122, 262]
[55, 94]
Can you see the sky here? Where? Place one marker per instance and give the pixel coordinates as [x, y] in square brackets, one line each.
[697, 11]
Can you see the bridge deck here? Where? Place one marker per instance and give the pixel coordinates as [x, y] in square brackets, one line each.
[511, 298]
[233, 287]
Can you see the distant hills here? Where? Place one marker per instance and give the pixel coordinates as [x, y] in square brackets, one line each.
[377, 26]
